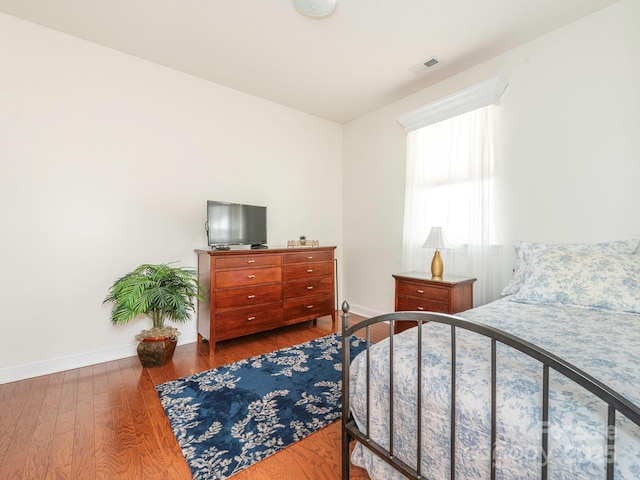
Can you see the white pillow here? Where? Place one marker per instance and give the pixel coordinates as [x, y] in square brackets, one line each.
[593, 280]
[527, 250]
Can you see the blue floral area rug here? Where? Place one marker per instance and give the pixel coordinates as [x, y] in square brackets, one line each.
[231, 417]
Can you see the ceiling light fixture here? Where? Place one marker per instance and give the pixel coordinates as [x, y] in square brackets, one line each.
[315, 8]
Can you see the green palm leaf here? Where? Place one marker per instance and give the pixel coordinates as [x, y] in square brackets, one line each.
[161, 292]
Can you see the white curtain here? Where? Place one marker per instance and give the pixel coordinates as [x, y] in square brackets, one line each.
[450, 184]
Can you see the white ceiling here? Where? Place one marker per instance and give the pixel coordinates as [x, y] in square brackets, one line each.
[339, 67]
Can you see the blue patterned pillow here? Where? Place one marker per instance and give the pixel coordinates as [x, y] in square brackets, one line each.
[593, 280]
[527, 250]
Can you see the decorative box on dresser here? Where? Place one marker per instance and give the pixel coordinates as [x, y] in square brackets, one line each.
[417, 291]
[250, 291]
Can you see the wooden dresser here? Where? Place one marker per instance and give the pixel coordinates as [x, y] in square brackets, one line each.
[250, 291]
[417, 291]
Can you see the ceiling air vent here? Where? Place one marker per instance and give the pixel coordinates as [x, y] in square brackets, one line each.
[427, 64]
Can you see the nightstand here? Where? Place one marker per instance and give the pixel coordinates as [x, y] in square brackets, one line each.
[418, 291]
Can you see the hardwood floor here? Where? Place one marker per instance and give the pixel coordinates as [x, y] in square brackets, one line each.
[106, 422]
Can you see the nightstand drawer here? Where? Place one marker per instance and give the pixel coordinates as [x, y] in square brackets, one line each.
[421, 305]
[409, 289]
[420, 292]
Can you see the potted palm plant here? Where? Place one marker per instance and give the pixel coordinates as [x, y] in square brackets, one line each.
[161, 292]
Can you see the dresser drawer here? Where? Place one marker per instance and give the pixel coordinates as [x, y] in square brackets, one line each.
[245, 321]
[421, 305]
[308, 256]
[308, 307]
[307, 270]
[306, 287]
[244, 297]
[409, 289]
[248, 276]
[241, 261]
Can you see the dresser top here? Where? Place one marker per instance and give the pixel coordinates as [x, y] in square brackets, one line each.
[261, 251]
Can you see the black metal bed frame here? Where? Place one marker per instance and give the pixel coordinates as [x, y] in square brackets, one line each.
[350, 431]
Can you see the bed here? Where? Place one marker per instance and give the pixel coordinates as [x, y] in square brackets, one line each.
[546, 381]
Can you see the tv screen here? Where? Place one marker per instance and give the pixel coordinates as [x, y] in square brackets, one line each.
[235, 224]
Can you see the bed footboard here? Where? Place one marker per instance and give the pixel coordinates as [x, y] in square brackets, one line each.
[616, 404]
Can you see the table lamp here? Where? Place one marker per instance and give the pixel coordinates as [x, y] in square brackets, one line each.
[437, 240]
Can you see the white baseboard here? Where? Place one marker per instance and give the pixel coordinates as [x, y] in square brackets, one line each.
[46, 367]
[364, 311]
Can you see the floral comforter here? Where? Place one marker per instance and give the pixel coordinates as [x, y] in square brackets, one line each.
[603, 344]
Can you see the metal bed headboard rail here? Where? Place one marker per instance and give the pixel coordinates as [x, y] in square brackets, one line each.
[350, 431]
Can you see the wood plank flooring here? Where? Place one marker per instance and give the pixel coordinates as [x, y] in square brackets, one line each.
[106, 422]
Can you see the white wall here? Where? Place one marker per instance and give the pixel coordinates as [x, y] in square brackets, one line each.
[568, 158]
[106, 162]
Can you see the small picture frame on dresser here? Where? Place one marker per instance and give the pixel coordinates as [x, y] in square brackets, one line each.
[302, 244]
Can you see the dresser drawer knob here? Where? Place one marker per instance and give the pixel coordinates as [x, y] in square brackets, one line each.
[251, 296]
[420, 292]
[420, 308]
[310, 287]
[251, 261]
[310, 270]
[309, 306]
[251, 276]
[310, 257]
[251, 319]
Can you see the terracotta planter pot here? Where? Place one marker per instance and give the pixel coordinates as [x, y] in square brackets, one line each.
[155, 352]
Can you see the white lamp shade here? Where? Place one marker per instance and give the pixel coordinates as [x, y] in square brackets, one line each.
[315, 8]
[436, 239]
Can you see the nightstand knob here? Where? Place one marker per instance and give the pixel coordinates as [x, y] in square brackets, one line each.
[250, 319]
[421, 308]
[251, 276]
[310, 270]
[251, 296]
[310, 287]
[309, 306]
[420, 292]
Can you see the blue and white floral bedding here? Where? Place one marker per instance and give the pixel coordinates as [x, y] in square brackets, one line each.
[604, 343]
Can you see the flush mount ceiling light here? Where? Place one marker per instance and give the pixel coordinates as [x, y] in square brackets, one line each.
[315, 8]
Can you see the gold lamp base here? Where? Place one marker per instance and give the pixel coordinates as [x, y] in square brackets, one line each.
[437, 268]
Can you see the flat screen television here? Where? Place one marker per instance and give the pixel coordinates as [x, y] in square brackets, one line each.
[236, 224]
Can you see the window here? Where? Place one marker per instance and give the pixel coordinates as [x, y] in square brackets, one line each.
[450, 183]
